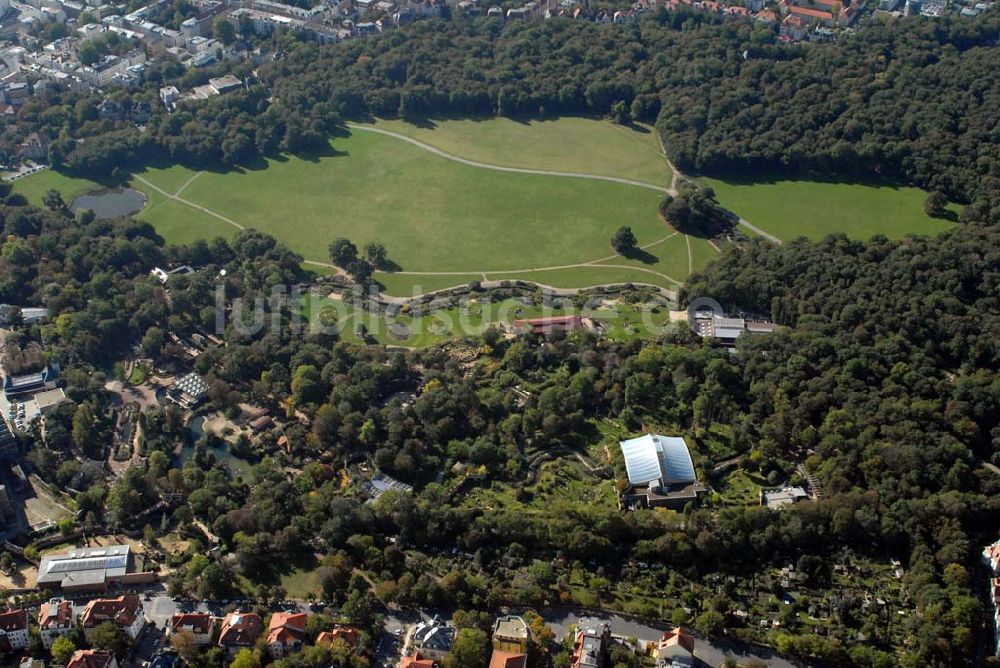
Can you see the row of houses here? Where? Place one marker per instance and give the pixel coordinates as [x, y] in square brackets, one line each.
[285, 633]
[58, 617]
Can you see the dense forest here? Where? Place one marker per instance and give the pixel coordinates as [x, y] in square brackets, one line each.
[909, 101]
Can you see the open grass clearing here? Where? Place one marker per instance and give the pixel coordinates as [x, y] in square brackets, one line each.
[568, 144]
[813, 209]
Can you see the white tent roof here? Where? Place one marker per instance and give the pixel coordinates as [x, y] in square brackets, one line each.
[653, 457]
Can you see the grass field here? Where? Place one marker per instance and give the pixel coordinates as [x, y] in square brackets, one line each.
[789, 209]
[34, 186]
[582, 145]
[433, 214]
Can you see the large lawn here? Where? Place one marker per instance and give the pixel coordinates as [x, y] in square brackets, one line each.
[444, 223]
[583, 145]
[432, 214]
[790, 209]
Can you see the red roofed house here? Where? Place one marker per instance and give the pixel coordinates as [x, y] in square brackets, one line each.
[198, 624]
[812, 15]
[125, 612]
[285, 633]
[345, 634]
[550, 325]
[55, 619]
[13, 630]
[416, 661]
[794, 27]
[832, 6]
[92, 658]
[675, 644]
[504, 659]
[239, 630]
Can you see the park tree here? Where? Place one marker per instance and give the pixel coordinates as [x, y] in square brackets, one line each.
[377, 255]
[108, 636]
[471, 650]
[245, 658]
[186, 645]
[62, 650]
[623, 240]
[223, 30]
[83, 427]
[343, 252]
[53, 200]
[934, 205]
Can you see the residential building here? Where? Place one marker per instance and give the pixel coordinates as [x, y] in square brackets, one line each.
[660, 473]
[511, 634]
[590, 643]
[34, 147]
[504, 659]
[795, 28]
[345, 634]
[55, 618]
[199, 624]
[239, 630]
[125, 612]
[417, 661]
[92, 658]
[432, 640]
[13, 630]
[286, 632]
[675, 649]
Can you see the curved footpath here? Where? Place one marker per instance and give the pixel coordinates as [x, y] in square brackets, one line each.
[671, 190]
[501, 168]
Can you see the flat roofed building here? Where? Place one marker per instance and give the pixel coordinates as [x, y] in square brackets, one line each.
[782, 496]
[592, 635]
[510, 633]
[84, 568]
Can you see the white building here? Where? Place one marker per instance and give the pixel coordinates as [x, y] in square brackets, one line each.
[14, 629]
[56, 618]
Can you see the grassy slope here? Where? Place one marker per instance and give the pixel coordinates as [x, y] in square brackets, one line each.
[788, 209]
[431, 214]
[34, 186]
[566, 144]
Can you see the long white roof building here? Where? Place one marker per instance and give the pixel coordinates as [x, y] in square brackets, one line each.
[653, 457]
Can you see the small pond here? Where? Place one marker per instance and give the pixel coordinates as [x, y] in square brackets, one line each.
[235, 465]
[110, 202]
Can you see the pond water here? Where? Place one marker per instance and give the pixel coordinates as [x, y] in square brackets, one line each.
[110, 202]
[235, 465]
